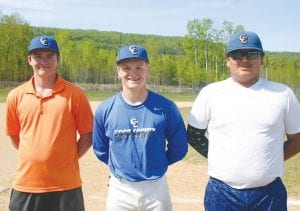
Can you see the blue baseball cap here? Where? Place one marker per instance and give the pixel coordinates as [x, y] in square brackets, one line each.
[132, 52]
[43, 42]
[244, 40]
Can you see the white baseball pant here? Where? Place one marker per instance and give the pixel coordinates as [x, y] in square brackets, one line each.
[150, 195]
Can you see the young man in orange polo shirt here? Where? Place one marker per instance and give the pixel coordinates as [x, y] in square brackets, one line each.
[43, 117]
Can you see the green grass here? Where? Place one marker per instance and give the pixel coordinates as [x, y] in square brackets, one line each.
[193, 156]
[3, 95]
[292, 175]
[102, 95]
[98, 96]
[92, 95]
[180, 97]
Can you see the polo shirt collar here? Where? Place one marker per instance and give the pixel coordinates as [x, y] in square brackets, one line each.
[58, 86]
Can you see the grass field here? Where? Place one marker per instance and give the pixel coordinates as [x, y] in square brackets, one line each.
[100, 96]
[292, 166]
[3, 95]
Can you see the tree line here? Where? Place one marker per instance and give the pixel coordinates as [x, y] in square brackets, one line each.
[88, 56]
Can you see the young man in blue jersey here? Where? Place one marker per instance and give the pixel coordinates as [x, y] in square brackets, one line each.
[247, 119]
[138, 134]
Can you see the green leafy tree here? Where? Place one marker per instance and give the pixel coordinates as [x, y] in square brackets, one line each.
[15, 35]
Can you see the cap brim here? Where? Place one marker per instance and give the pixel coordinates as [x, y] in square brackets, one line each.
[140, 58]
[246, 48]
[47, 49]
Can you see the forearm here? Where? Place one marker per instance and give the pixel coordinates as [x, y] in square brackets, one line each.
[83, 144]
[291, 146]
[198, 140]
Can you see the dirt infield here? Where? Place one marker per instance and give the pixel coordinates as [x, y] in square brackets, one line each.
[186, 181]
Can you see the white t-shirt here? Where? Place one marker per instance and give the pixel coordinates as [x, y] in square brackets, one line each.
[246, 129]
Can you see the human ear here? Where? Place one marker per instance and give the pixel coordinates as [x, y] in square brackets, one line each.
[29, 59]
[227, 61]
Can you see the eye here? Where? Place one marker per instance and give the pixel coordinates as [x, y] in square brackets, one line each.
[50, 57]
[37, 57]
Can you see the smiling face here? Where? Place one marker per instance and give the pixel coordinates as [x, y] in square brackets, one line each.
[133, 73]
[44, 63]
[245, 71]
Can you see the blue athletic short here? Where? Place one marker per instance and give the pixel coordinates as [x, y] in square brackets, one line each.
[220, 197]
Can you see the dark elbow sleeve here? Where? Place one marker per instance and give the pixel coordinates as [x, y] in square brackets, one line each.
[198, 140]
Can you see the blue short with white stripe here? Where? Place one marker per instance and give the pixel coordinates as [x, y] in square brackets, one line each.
[221, 197]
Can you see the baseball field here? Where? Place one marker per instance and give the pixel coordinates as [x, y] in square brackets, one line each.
[187, 178]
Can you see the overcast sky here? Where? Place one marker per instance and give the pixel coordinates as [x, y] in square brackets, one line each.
[275, 21]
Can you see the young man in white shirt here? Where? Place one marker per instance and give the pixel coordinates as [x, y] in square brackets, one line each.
[246, 119]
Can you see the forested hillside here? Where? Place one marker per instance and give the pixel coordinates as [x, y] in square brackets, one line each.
[88, 56]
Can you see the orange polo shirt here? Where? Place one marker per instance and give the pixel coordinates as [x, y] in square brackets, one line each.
[47, 127]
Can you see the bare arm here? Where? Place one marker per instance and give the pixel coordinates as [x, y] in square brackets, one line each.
[291, 145]
[15, 141]
[198, 140]
[83, 144]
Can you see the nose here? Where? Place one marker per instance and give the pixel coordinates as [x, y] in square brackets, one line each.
[133, 71]
[43, 60]
[244, 58]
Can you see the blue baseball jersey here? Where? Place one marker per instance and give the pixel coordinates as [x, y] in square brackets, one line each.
[139, 142]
